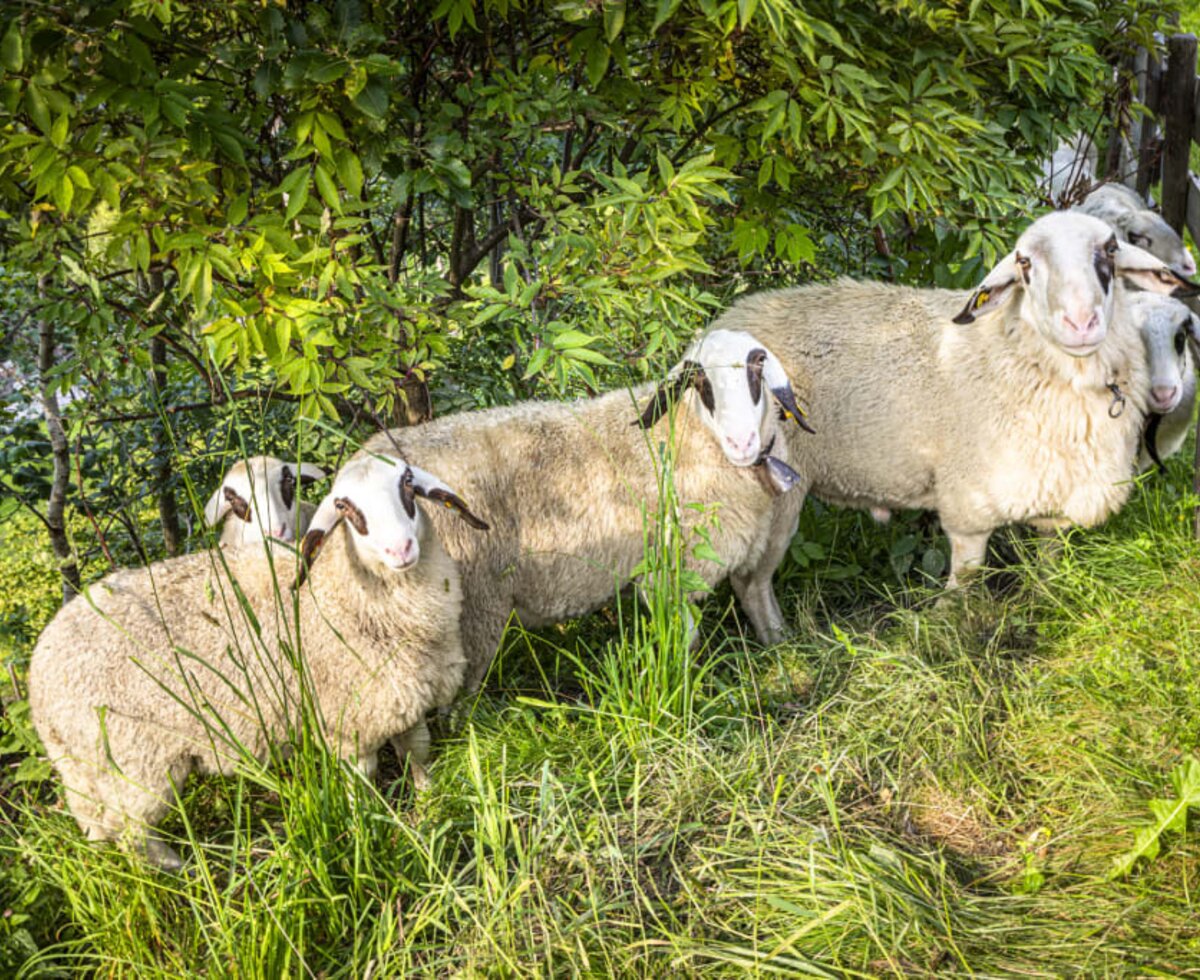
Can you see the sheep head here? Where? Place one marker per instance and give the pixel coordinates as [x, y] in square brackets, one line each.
[1062, 276]
[727, 370]
[376, 496]
[261, 492]
[1147, 230]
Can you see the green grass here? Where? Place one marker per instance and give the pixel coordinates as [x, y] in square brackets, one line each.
[906, 789]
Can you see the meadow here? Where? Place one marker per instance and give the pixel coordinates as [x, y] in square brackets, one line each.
[909, 787]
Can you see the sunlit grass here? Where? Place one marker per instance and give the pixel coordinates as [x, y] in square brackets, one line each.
[906, 789]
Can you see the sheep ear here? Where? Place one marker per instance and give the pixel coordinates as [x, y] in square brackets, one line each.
[324, 520]
[310, 473]
[997, 286]
[237, 503]
[660, 403]
[431, 488]
[777, 380]
[1140, 268]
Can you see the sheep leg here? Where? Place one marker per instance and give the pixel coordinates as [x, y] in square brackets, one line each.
[967, 551]
[413, 745]
[755, 587]
[118, 809]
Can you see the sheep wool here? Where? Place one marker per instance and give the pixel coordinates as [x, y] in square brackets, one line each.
[570, 489]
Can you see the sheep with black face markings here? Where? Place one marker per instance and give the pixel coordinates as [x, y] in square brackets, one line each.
[257, 500]
[568, 487]
[1021, 402]
[1127, 214]
[157, 671]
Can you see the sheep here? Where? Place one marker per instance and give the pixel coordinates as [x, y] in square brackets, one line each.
[1134, 222]
[1167, 326]
[1019, 402]
[568, 487]
[158, 671]
[1070, 169]
[261, 493]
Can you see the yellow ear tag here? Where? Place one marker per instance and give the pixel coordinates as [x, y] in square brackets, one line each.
[982, 298]
[448, 504]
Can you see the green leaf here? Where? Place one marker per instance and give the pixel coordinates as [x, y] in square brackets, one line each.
[1169, 815]
[350, 172]
[597, 63]
[296, 200]
[12, 47]
[373, 99]
[571, 338]
[327, 188]
[238, 209]
[614, 18]
[39, 111]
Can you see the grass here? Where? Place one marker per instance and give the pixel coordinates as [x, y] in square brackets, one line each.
[906, 789]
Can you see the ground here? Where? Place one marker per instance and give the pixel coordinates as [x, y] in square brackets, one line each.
[907, 788]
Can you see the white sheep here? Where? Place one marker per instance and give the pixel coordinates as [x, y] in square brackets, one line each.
[1070, 170]
[158, 671]
[260, 492]
[1124, 210]
[1168, 330]
[570, 487]
[1019, 402]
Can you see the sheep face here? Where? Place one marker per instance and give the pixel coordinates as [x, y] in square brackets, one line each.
[1062, 276]
[730, 373]
[1166, 326]
[260, 492]
[376, 497]
[1149, 231]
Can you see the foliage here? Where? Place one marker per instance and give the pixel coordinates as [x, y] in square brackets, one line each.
[31, 593]
[1169, 815]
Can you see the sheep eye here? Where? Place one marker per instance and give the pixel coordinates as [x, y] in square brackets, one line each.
[1180, 340]
[1141, 241]
[1111, 246]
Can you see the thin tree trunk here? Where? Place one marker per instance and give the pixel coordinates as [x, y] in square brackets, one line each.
[168, 510]
[61, 454]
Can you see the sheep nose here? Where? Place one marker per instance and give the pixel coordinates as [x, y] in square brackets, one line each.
[1164, 396]
[402, 552]
[1083, 323]
[1188, 266]
[744, 446]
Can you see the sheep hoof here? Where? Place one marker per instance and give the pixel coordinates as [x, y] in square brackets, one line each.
[420, 776]
[160, 854]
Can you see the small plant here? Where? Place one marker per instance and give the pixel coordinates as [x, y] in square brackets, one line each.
[1169, 815]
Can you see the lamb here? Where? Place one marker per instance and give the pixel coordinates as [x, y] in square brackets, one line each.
[261, 493]
[158, 671]
[1167, 327]
[1020, 402]
[568, 487]
[1126, 212]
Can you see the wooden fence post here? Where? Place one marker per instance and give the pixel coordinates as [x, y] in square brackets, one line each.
[1180, 92]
